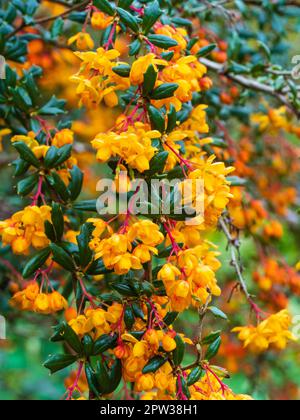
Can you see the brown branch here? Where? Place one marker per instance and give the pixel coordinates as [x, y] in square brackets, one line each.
[234, 245]
[251, 84]
[44, 20]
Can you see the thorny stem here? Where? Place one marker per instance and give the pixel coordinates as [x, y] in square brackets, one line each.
[182, 160]
[111, 36]
[75, 386]
[222, 385]
[39, 194]
[234, 249]
[175, 247]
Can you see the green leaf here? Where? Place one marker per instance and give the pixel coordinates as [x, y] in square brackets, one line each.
[154, 364]
[213, 349]
[218, 313]
[115, 376]
[87, 205]
[211, 337]
[125, 4]
[178, 353]
[172, 119]
[59, 186]
[26, 153]
[122, 70]
[105, 6]
[129, 317]
[83, 240]
[92, 380]
[105, 342]
[51, 157]
[170, 318]
[124, 289]
[236, 181]
[206, 50]
[150, 78]
[151, 15]
[50, 232]
[63, 332]
[88, 345]
[167, 55]
[62, 257]
[182, 385]
[194, 376]
[97, 268]
[162, 41]
[53, 107]
[76, 183]
[157, 163]
[27, 185]
[59, 361]
[135, 47]
[57, 28]
[264, 47]
[164, 91]
[57, 220]
[64, 153]
[217, 142]
[21, 167]
[157, 119]
[138, 311]
[128, 20]
[36, 262]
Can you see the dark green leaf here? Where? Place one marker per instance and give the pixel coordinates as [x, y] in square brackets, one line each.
[26, 153]
[105, 6]
[162, 41]
[164, 91]
[62, 257]
[36, 262]
[59, 361]
[194, 376]
[213, 349]
[105, 342]
[154, 364]
[178, 353]
[128, 19]
[151, 15]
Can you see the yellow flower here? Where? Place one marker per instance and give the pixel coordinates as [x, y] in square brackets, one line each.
[141, 65]
[145, 383]
[134, 146]
[272, 333]
[168, 343]
[83, 40]
[26, 228]
[101, 20]
[63, 137]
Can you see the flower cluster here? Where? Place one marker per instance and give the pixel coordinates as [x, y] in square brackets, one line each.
[272, 333]
[128, 250]
[31, 299]
[25, 229]
[133, 146]
[96, 79]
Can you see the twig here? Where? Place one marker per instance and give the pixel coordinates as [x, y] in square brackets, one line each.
[251, 84]
[235, 261]
[47, 19]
